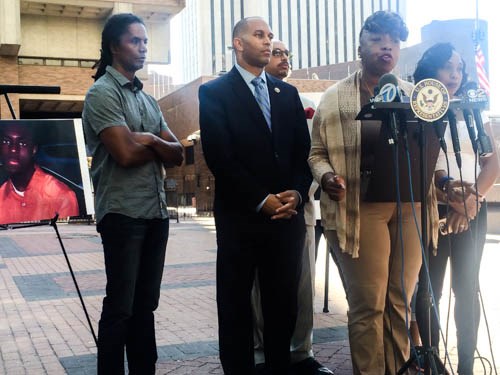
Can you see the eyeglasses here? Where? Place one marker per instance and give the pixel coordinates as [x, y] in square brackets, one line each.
[279, 53]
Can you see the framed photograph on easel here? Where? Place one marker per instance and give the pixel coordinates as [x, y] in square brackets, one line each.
[43, 171]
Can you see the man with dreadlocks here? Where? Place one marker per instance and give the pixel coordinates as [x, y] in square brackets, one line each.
[130, 144]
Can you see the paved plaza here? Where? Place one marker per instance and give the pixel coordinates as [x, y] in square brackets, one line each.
[43, 329]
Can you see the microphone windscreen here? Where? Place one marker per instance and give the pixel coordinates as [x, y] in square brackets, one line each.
[389, 90]
[473, 94]
[388, 78]
[470, 85]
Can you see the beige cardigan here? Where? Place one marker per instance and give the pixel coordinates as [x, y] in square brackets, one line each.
[336, 147]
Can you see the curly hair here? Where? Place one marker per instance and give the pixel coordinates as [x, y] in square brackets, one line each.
[435, 58]
[385, 22]
[114, 28]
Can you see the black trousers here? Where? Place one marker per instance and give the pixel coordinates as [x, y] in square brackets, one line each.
[464, 250]
[134, 255]
[273, 248]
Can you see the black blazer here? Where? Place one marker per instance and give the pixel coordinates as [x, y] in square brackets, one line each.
[247, 159]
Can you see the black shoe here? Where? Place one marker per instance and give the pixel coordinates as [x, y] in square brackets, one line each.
[310, 366]
[261, 369]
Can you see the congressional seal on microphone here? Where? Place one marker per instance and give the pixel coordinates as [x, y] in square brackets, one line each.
[429, 100]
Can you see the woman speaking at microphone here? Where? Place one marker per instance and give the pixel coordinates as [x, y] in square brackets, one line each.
[379, 273]
[466, 226]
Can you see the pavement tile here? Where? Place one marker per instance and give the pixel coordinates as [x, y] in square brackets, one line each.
[43, 329]
[10, 249]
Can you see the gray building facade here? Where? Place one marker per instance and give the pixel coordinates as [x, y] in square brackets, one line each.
[318, 32]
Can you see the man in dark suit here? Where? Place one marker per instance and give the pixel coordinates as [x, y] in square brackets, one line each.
[301, 352]
[256, 143]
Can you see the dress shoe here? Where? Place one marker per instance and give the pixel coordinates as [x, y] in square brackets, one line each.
[261, 369]
[310, 366]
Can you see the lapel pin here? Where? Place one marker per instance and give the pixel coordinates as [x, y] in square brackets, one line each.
[276, 90]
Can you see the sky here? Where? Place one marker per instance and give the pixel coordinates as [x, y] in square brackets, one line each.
[422, 12]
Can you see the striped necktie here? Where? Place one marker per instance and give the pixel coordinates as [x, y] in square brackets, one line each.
[262, 97]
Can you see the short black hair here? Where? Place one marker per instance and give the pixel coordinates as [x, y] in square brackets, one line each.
[241, 26]
[435, 58]
[386, 22]
[29, 129]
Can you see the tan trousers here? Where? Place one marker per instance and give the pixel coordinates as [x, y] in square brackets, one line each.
[379, 305]
[301, 343]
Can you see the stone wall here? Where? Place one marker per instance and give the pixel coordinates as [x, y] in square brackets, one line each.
[10, 76]
[72, 80]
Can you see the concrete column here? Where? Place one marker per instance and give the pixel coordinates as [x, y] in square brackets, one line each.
[257, 8]
[122, 8]
[10, 27]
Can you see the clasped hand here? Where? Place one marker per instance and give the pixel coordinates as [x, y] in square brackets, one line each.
[463, 205]
[456, 222]
[463, 202]
[334, 186]
[281, 205]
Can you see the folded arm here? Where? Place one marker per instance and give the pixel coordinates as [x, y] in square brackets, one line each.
[131, 149]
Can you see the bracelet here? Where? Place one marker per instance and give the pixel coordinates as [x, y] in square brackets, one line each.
[443, 182]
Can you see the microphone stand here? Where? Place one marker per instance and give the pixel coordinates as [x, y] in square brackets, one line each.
[426, 354]
[431, 360]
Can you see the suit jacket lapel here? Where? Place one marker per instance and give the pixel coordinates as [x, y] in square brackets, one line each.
[243, 93]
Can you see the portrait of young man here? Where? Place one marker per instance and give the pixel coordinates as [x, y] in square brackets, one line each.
[29, 192]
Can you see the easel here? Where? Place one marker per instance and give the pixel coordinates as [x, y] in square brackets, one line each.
[4, 90]
[24, 89]
[53, 224]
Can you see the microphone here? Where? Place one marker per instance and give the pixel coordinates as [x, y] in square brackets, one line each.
[475, 95]
[452, 121]
[439, 129]
[387, 89]
[469, 121]
[389, 92]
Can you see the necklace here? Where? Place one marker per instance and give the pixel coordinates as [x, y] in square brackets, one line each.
[365, 87]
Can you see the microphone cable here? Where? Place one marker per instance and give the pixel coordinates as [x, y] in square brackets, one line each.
[424, 254]
[490, 344]
[474, 240]
[492, 364]
[395, 160]
[407, 153]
